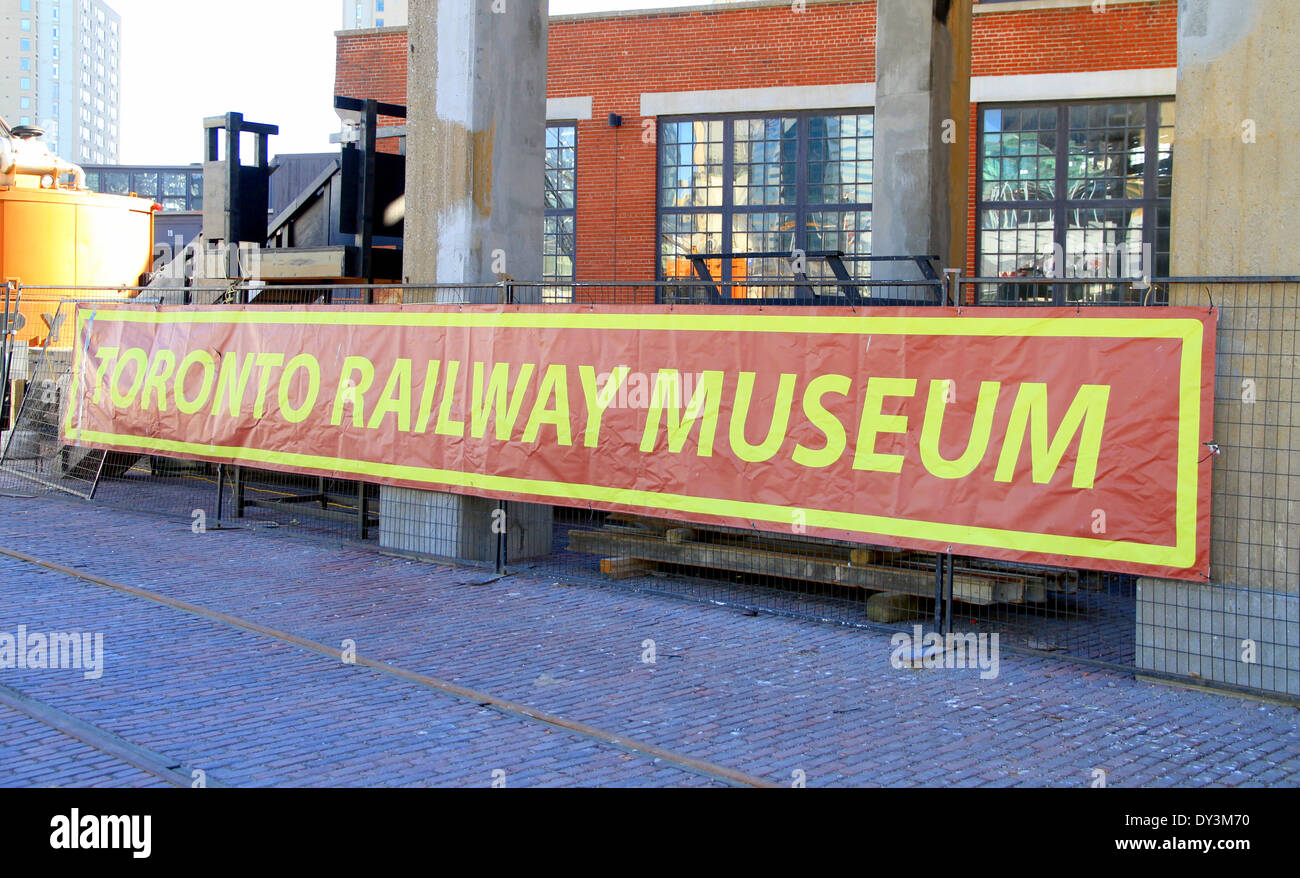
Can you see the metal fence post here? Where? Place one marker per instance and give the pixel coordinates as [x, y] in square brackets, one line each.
[4, 349]
[363, 529]
[951, 286]
[503, 530]
[938, 590]
[948, 600]
[221, 484]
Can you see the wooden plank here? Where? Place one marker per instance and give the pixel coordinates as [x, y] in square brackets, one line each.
[875, 555]
[303, 263]
[889, 607]
[970, 588]
[642, 522]
[625, 568]
[17, 390]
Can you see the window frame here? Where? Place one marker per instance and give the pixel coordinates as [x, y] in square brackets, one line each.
[1061, 205]
[728, 209]
[555, 281]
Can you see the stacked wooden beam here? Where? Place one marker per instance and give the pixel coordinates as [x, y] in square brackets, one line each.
[637, 546]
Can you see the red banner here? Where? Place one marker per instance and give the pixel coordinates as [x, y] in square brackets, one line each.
[1054, 436]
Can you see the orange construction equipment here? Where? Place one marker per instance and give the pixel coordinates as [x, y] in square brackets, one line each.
[56, 233]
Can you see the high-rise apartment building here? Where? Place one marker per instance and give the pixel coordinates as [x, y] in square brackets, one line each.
[61, 71]
[358, 14]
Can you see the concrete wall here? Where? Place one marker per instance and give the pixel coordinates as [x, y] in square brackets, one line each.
[1236, 204]
[1237, 201]
[1239, 636]
[464, 528]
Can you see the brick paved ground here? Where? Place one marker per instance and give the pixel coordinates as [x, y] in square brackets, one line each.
[766, 695]
[32, 754]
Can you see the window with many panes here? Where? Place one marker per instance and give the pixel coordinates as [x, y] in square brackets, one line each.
[174, 189]
[1083, 184]
[741, 186]
[559, 241]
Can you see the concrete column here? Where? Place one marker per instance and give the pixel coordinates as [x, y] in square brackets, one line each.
[922, 132]
[1236, 198]
[476, 138]
[1236, 204]
[476, 98]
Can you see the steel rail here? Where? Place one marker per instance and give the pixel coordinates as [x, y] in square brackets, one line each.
[701, 767]
[149, 761]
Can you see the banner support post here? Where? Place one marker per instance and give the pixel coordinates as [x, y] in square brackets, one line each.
[502, 531]
[938, 591]
[221, 484]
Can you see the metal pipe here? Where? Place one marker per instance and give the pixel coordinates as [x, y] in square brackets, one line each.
[30, 157]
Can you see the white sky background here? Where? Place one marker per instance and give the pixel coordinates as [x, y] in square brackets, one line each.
[272, 60]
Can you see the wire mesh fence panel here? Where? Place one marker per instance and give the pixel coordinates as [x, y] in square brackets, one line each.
[1242, 628]
[1184, 630]
[33, 454]
[206, 496]
[37, 367]
[1075, 613]
[1071, 612]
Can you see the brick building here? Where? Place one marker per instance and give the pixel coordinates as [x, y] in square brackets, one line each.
[747, 127]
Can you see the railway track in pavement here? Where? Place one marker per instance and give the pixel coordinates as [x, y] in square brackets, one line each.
[161, 767]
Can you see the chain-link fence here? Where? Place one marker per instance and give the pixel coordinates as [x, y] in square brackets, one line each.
[1239, 632]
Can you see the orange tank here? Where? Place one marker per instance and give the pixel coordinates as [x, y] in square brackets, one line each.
[55, 233]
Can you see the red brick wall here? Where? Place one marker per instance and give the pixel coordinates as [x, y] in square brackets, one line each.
[1133, 36]
[972, 190]
[372, 64]
[1123, 37]
[615, 59]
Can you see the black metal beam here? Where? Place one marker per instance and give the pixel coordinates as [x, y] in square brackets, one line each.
[397, 111]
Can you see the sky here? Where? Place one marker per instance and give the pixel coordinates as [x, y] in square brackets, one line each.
[272, 60]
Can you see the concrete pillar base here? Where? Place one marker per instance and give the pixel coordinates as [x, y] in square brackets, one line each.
[461, 527]
[1202, 631]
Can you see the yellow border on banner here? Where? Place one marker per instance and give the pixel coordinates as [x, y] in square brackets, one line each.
[1180, 556]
